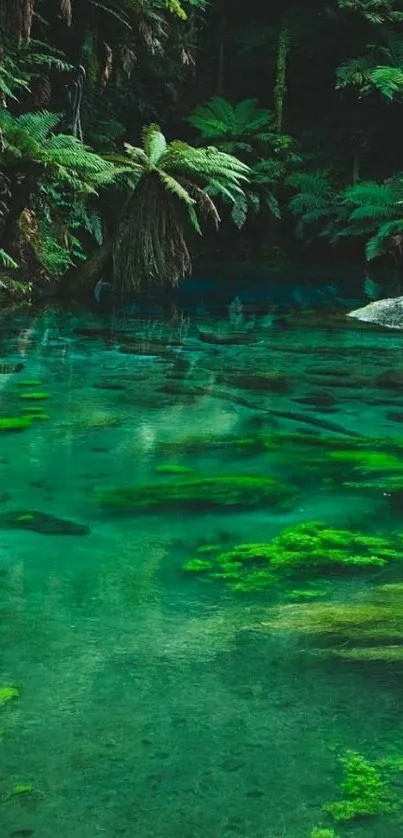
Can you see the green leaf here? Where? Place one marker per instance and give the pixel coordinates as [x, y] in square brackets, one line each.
[154, 143]
[7, 260]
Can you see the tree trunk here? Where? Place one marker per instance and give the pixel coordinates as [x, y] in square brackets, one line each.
[356, 167]
[221, 58]
[16, 20]
[21, 188]
[82, 280]
[280, 88]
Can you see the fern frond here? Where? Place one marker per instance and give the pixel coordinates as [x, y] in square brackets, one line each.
[37, 125]
[355, 73]
[388, 80]
[272, 203]
[176, 188]
[378, 243]
[219, 119]
[240, 211]
[372, 193]
[372, 212]
[203, 200]
[154, 143]
[7, 261]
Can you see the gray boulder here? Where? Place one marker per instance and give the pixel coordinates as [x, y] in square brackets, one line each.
[387, 313]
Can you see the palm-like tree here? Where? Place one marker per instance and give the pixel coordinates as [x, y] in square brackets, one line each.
[171, 185]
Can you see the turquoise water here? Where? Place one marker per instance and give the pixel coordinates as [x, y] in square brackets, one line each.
[155, 703]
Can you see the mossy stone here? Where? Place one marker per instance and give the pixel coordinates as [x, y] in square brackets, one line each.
[366, 792]
[41, 522]
[34, 396]
[370, 629]
[198, 566]
[369, 461]
[8, 694]
[301, 551]
[18, 423]
[21, 789]
[186, 493]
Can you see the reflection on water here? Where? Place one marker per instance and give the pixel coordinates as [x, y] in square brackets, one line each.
[156, 678]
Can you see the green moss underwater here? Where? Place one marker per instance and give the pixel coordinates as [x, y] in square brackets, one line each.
[307, 550]
[198, 493]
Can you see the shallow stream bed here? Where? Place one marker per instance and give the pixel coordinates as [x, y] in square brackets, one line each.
[154, 702]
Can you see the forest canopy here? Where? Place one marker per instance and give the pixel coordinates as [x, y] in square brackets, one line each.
[130, 130]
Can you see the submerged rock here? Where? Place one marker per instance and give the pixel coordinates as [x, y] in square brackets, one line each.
[270, 383]
[226, 339]
[387, 313]
[318, 400]
[41, 522]
[8, 369]
[390, 379]
[196, 492]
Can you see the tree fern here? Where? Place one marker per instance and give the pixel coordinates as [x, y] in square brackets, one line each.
[29, 139]
[154, 142]
[368, 210]
[314, 203]
[377, 12]
[381, 70]
[249, 132]
[20, 64]
[222, 122]
[174, 185]
[56, 175]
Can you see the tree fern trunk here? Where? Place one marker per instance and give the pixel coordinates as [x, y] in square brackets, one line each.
[280, 89]
[16, 19]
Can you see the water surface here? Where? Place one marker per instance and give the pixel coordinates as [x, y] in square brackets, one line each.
[152, 703]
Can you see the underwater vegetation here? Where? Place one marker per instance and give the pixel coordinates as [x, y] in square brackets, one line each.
[368, 461]
[303, 550]
[195, 492]
[364, 630]
[8, 694]
[323, 833]
[34, 396]
[18, 423]
[173, 468]
[365, 790]
[22, 788]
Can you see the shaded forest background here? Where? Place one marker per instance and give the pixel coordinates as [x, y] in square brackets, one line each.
[289, 123]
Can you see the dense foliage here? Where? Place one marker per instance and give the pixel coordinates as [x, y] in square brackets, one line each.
[288, 117]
